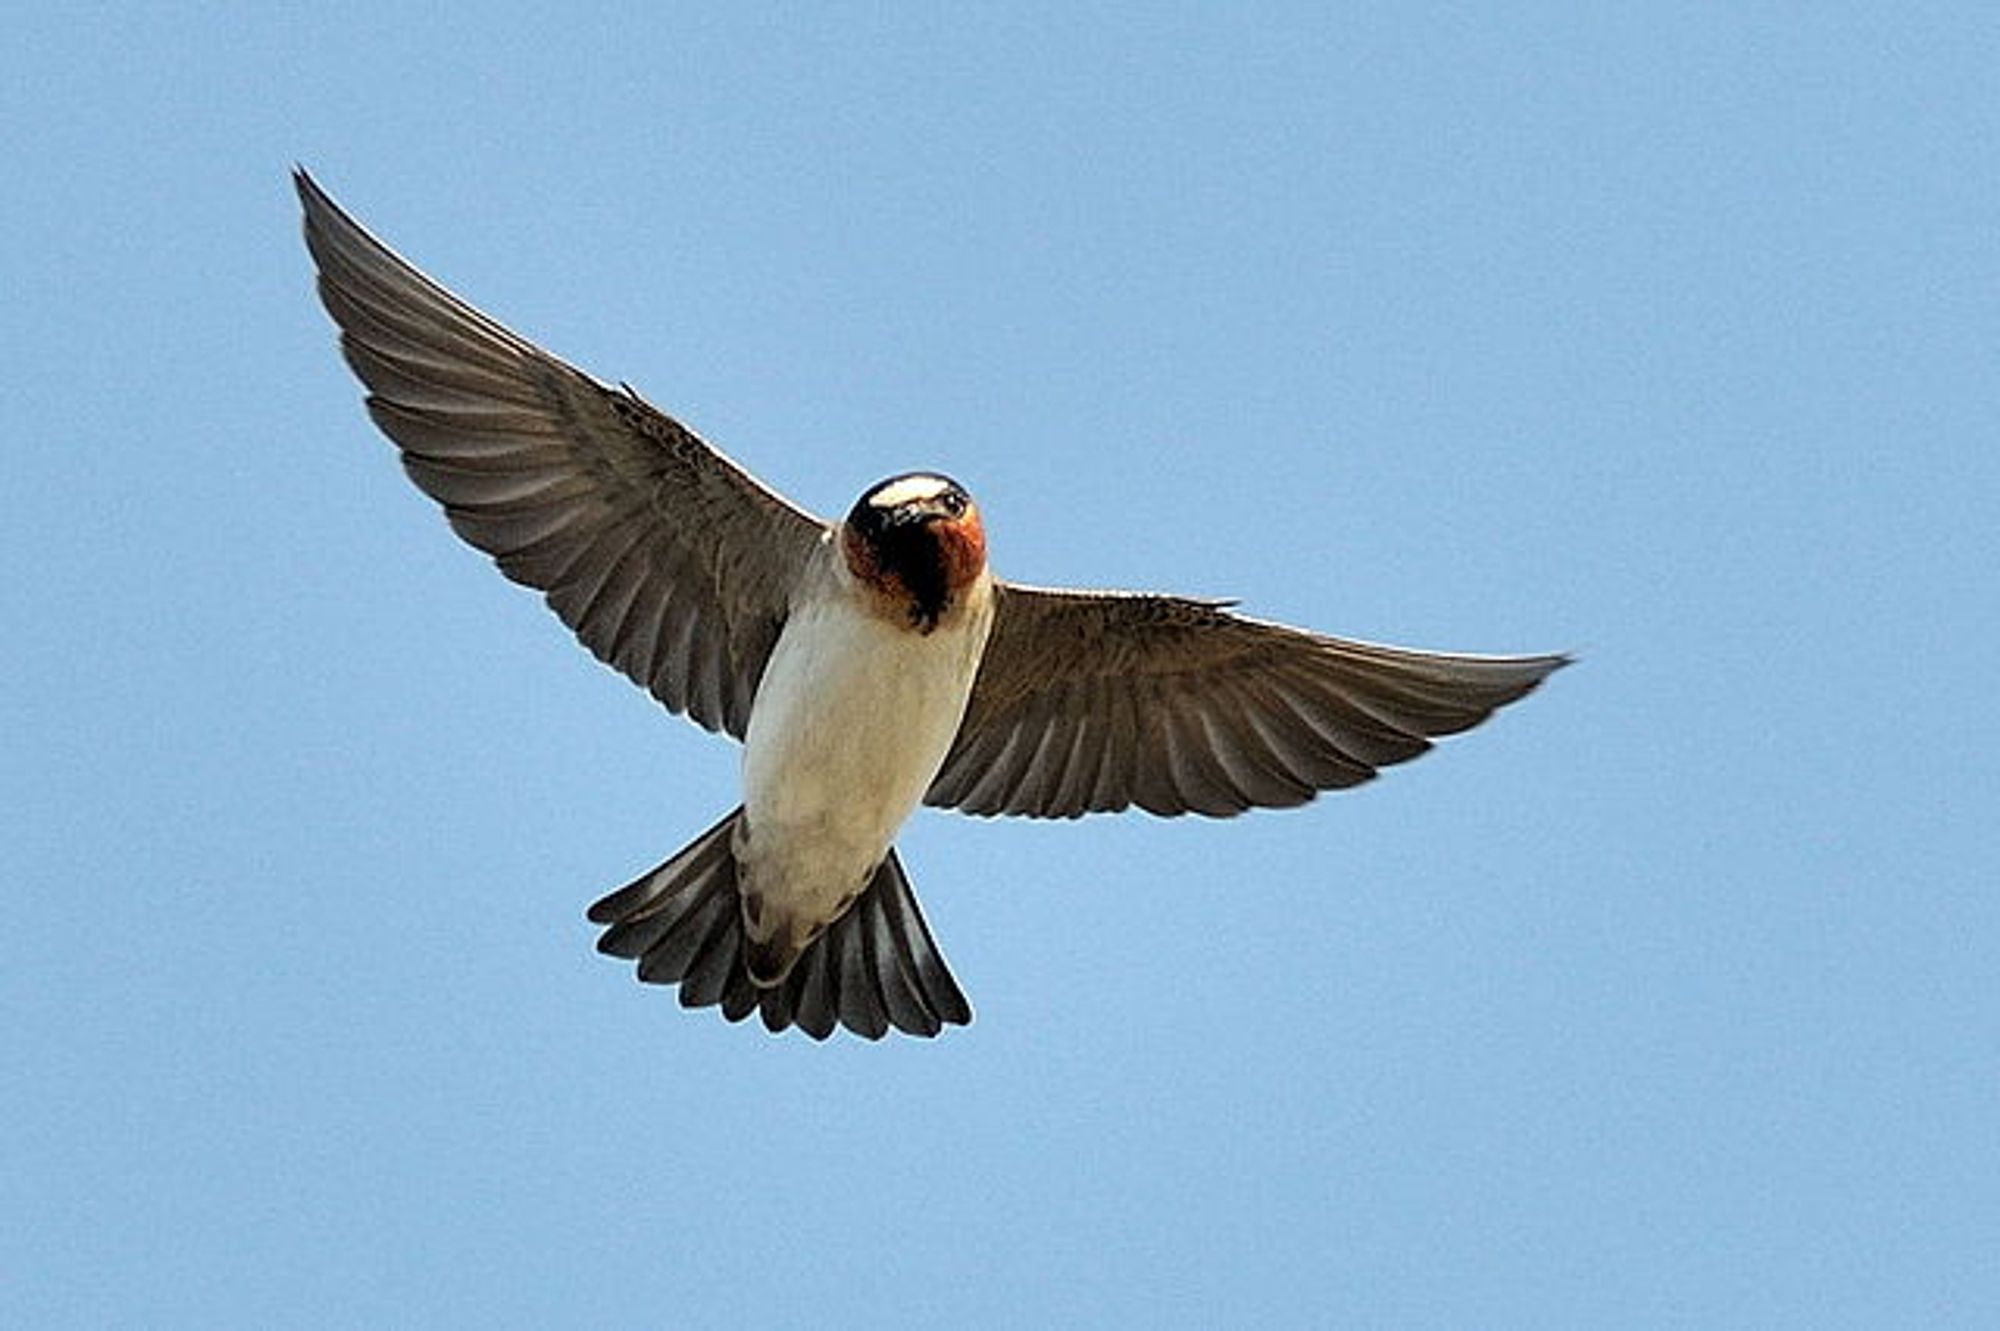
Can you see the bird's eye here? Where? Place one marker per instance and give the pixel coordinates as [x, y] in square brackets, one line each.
[954, 504]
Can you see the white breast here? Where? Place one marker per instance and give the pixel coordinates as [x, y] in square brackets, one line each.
[851, 722]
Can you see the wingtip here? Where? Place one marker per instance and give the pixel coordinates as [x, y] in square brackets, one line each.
[317, 206]
[322, 214]
[1535, 668]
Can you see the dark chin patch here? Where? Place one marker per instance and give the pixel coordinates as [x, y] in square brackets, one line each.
[911, 553]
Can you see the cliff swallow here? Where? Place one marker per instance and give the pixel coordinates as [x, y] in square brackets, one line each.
[867, 665]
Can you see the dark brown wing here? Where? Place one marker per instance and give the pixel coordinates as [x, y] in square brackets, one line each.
[1090, 702]
[669, 561]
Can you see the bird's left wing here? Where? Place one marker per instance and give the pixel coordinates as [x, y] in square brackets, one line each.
[669, 561]
[1093, 701]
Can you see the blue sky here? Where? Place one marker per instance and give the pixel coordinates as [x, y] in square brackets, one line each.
[1668, 998]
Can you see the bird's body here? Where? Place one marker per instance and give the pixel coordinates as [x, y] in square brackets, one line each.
[853, 717]
[868, 665]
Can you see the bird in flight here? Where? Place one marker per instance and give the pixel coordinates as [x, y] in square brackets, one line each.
[867, 665]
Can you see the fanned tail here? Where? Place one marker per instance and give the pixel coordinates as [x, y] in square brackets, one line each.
[876, 967]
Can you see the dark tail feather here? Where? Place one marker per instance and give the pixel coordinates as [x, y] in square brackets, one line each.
[875, 968]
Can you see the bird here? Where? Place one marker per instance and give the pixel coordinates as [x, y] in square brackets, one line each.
[868, 665]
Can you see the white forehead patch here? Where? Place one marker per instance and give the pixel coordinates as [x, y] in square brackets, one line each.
[908, 490]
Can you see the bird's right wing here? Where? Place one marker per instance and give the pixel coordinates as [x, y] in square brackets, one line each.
[670, 562]
[1094, 701]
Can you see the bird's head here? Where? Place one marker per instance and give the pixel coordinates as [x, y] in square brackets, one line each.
[916, 540]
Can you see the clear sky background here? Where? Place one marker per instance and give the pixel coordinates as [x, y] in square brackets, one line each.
[1664, 334]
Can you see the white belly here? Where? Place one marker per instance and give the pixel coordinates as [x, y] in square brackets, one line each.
[852, 720]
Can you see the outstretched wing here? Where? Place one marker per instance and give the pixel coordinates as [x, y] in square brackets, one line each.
[670, 562]
[1089, 702]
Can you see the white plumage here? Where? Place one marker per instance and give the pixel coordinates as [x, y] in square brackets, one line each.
[852, 720]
